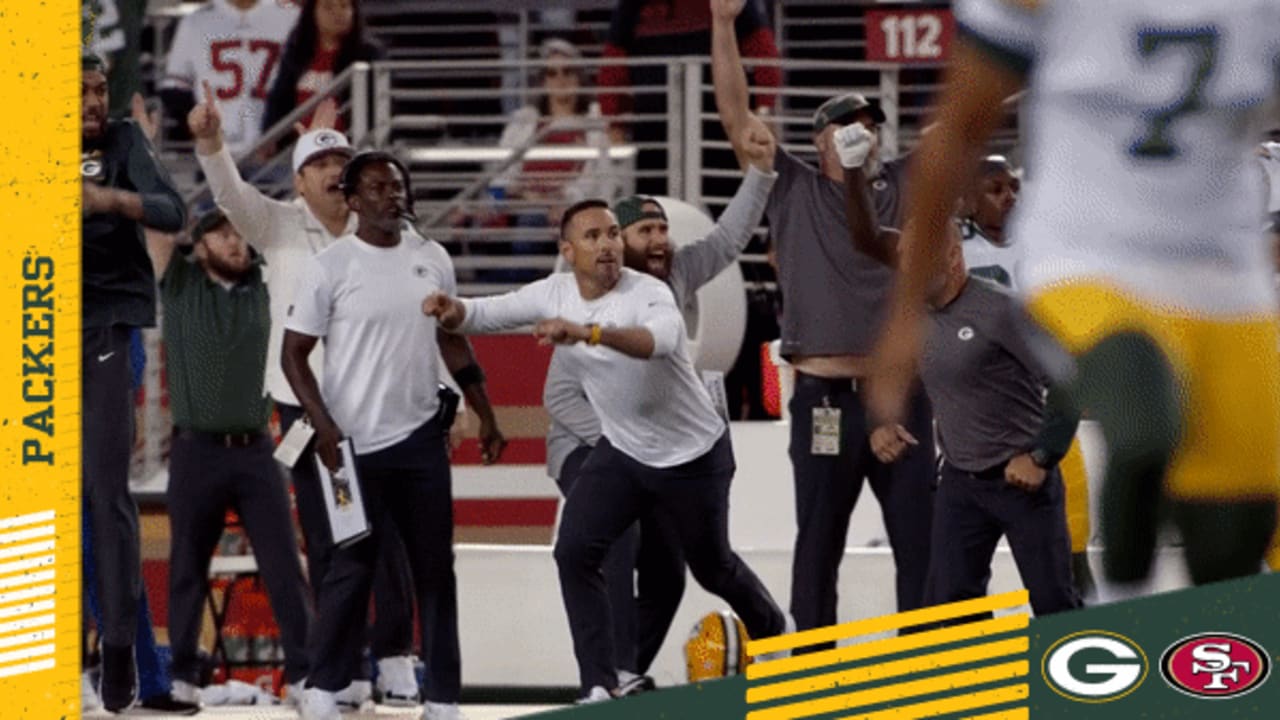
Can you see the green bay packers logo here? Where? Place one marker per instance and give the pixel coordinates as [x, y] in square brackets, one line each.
[1094, 666]
[327, 139]
[92, 167]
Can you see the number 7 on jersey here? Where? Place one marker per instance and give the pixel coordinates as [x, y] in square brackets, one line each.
[1202, 44]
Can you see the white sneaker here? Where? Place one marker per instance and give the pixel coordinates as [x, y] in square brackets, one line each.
[397, 682]
[441, 711]
[353, 697]
[630, 683]
[318, 704]
[293, 693]
[89, 699]
[597, 694]
[787, 629]
[184, 691]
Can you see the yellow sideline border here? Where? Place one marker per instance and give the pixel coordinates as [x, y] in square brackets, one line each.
[39, 422]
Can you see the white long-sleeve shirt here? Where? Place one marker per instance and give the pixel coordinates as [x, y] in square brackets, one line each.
[655, 410]
[287, 234]
[573, 422]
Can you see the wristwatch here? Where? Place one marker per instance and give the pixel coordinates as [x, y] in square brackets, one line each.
[1041, 458]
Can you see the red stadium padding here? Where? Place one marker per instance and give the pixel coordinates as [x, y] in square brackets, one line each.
[520, 451]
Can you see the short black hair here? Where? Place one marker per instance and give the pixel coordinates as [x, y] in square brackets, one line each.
[350, 177]
[576, 208]
[91, 61]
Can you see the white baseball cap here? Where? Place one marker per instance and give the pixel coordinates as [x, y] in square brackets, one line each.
[315, 143]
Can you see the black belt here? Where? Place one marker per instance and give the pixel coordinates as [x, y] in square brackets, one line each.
[995, 472]
[828, 384]
[228, 440]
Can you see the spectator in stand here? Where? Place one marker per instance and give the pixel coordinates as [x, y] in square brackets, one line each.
[328, 38]
[234, 46]
[568, 116]
[659, 28]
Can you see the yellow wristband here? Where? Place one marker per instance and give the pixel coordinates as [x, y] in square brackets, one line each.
[596, 332]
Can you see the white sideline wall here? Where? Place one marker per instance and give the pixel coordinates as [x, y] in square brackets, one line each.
[512, 623]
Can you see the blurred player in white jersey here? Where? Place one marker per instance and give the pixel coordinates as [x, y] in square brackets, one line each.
[235, 46]
[1147, 262]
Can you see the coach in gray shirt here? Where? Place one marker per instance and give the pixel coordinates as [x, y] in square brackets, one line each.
[834, 297]
[645, 570]
[986, 368]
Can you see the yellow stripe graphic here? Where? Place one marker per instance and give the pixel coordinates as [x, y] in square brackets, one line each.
[1018, 713]
[985, 698]
[881, 671]
[849, 653]
[913, 688]
[935, 613]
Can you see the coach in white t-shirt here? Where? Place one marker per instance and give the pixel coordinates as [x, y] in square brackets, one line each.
[663, 443]
[287, 234]
[379, 387]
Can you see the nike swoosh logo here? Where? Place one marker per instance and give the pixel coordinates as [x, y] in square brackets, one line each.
[104, 358]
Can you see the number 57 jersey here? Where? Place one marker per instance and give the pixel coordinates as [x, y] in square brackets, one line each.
[237, 52]
[1141, 120]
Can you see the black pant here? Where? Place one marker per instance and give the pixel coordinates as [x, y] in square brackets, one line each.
[972, 511]
[205, 478]
[107, 415]
[391, 631]
[612, 491]
[827, 488]
[407, 495]
[644, 577]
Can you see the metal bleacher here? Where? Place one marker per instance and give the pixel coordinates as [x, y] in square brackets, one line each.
[455, 70]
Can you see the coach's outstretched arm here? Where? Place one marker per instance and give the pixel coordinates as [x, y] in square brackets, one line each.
[730, 80]
[530, 305]
[699, 262]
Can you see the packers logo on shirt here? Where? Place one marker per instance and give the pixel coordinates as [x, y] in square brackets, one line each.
[92, 167]
[421, 271]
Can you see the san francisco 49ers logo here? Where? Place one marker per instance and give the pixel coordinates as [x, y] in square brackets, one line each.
[1215, 666]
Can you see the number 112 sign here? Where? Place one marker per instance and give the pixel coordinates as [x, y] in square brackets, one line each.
[909, 35]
